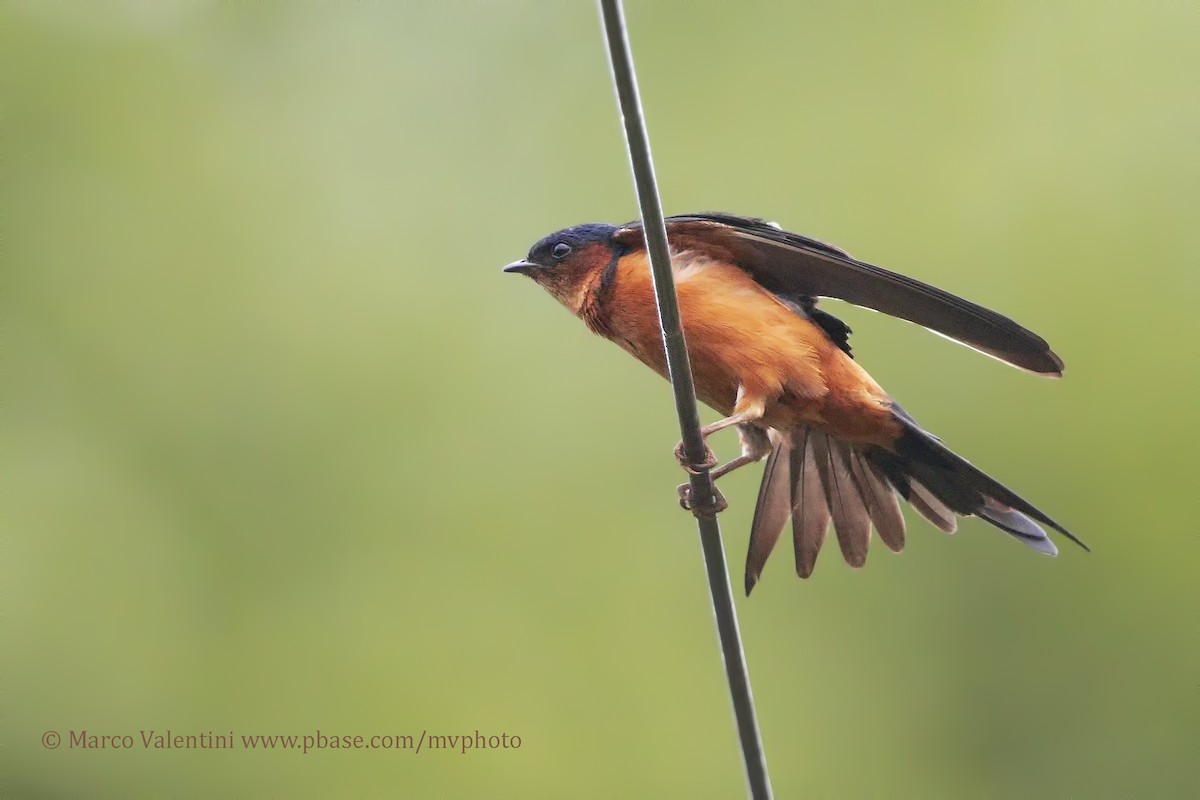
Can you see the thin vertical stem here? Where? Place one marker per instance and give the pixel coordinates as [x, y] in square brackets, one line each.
[703, 495]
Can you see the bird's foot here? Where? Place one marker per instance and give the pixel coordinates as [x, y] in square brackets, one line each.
[710, 460]
[685, 500]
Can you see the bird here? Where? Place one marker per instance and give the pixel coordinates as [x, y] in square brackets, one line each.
[780, 370]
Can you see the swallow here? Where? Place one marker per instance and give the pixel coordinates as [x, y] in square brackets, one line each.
[781, 372]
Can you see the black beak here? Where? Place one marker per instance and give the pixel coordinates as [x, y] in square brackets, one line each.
[520, 266]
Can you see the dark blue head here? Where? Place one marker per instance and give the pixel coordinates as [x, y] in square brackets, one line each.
[559, 247]
[562, 262]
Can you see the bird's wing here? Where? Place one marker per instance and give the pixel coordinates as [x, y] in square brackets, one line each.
[796, 267]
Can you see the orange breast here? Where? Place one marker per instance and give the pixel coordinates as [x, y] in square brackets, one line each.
[738, 334]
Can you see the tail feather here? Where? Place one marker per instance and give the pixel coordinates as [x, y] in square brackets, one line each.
[1019, 526]
[816, 479]
[932, 509]
[917, 495]
[966, 490]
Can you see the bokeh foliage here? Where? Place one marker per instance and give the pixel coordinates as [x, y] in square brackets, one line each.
[285, 451]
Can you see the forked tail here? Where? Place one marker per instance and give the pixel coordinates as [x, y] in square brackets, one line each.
[922, 466]
[815, 479]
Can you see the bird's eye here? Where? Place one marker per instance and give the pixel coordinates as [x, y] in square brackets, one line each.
[561, 251]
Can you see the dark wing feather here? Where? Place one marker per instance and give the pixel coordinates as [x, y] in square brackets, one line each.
[837, 331]
[882, 503]
[796, 267]
[770, 513]
[810, 512]
[851, 521]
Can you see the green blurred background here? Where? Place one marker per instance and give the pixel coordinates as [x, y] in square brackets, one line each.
[285, 451]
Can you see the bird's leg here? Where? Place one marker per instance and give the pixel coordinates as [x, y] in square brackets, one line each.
[710, 459]
[755, 447]
[745, 409]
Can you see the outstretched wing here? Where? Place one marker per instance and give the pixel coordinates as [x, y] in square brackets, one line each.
[797, 268]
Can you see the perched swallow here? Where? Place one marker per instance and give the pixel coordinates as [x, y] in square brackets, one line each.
[838, 447]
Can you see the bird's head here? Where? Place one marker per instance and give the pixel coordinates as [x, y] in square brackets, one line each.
[566, 262]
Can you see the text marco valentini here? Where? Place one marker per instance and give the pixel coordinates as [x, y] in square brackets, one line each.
[152, 740]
